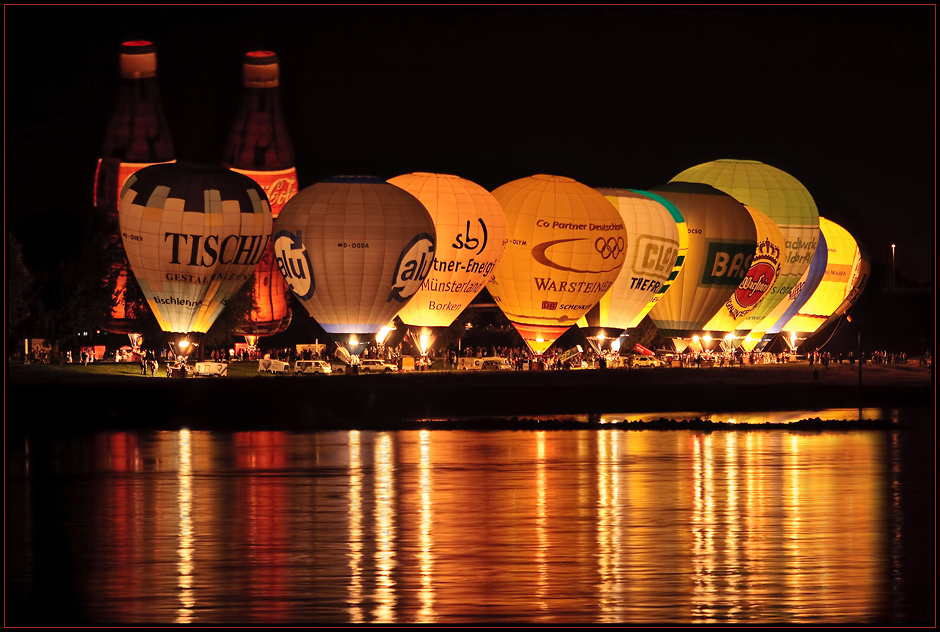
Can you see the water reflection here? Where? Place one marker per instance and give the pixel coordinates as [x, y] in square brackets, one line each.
[764, 417]
[551, 527]
[187, 599]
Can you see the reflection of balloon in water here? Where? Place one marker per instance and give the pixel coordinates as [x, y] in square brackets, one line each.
[354, 250]
[193, 234]
[566, 246]
[846, 275]
[471, 236]
[760, 277]
[656, 247]
[783, 199]
[722, 241]
[793, 301]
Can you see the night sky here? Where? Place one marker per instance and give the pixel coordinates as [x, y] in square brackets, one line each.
[843, 99]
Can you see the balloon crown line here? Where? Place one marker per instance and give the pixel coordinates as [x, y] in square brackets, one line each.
[768, 249]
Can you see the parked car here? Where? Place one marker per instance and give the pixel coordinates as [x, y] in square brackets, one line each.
[266, 365]
[496, 364]
[376, 366]
[312, 367]
[644, 360]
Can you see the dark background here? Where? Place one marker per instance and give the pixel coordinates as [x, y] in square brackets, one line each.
[842, 98]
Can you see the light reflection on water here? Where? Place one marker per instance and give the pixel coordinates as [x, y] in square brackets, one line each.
[550, 527]
[776, 417]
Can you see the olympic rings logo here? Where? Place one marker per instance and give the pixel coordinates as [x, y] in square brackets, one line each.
[610, 247]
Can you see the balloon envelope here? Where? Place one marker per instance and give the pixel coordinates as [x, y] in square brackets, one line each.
[193, 235]
[760, 277]
[783, 199]
[566, 245]
[845, 277]
[656, 247]
[271, 313]
[354, 250]
[471, 236]
[794, 301]
[722, 242]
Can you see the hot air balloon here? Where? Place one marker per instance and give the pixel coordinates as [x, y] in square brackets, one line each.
[471, 235]
[722, 242]
[847, 270]
[656, 247]
[193, 235]
[354, 250]
[759, 337]
[783, 199]
[760, 277]
[566, 245]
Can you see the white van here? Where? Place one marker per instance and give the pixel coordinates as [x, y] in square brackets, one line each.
[312, 367]
[266, 365]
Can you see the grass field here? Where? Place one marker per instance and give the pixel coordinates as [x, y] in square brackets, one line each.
[105, 370]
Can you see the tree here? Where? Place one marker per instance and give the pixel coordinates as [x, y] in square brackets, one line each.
[68, 256]
[239, 307]
[20, 299]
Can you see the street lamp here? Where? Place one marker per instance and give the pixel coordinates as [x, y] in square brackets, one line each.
[893, 283]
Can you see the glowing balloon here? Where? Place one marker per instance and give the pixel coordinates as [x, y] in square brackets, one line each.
[846, 275]
[354, 250]
[722, 242]
[271, 313]
[471, 237]
[783, 199]
[760, 277]
[193, 235]
[767, 329]
[657, 247]
[565, 247]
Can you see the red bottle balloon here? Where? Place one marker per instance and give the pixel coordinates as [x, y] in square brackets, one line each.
[260, 147]
[137, 136]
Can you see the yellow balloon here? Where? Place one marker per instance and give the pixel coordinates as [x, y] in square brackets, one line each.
[193, 235]
[565, 246]
[796, 299]
[471, 237]
[846, 275]
[656, 246]
[760, 277]
[354, 250]
[783, 199]
[722, 242]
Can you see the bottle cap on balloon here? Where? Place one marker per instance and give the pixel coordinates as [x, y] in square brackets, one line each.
[138, 59]
[261, 69]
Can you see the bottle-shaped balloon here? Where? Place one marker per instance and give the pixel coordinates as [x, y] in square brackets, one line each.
[260, 147]
[565, 246]
[193, 235]
[137, 136]
[657, 247]
[354, 250]
[471, 235]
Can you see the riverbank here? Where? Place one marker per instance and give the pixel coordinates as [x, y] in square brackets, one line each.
[60, 400]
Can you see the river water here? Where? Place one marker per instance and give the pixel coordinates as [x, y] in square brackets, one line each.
[560, 527]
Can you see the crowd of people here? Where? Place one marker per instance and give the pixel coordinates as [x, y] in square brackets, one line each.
[518, 357]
